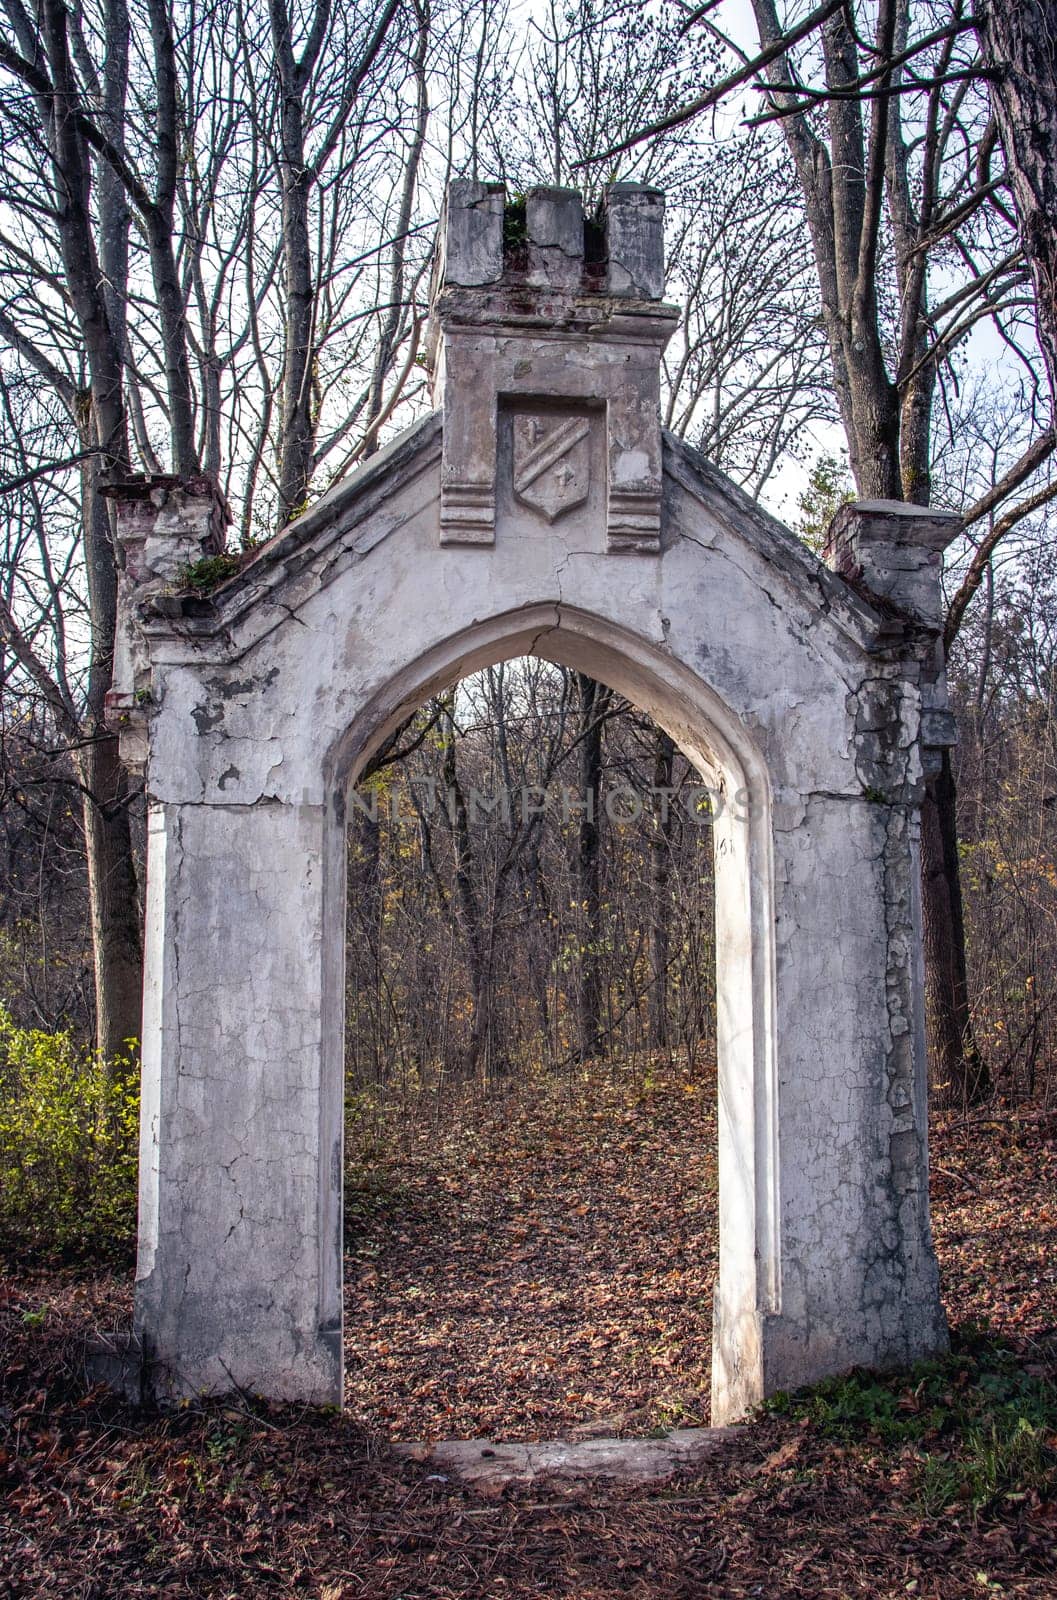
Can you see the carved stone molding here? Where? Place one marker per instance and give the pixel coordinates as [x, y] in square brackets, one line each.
[551, 466]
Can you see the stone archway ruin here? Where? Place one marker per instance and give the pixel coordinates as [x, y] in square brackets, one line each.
[539, 510]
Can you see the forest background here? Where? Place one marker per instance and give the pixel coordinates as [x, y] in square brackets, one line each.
[215, 237]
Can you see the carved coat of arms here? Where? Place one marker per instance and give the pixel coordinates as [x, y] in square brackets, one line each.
[552, 463]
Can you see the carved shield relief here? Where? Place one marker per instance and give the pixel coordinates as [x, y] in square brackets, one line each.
[552, 462]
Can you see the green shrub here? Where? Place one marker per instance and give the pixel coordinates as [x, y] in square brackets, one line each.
[68, 1140]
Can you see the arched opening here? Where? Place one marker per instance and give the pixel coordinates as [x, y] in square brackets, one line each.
[718, 750]
[530, 883]
[530, 1165]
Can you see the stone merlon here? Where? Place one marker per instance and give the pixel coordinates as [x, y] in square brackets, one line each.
[546, 243]
[894, 552]
[165, 524]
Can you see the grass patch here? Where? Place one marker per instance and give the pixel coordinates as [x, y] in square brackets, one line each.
[208, 574]
[978, 1425]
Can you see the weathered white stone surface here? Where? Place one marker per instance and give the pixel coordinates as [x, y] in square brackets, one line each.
[489, 1467]
[784, 683]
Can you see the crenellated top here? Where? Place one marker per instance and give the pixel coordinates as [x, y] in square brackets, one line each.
[545, 347]
[545, 242]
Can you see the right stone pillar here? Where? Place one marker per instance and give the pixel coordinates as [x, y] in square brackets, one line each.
[837, 859]
[850, 1277]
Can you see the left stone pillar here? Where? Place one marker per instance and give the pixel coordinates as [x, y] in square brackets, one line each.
[238, 1281]
[238, 1275]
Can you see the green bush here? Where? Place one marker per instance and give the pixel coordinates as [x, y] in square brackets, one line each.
[68, 1141]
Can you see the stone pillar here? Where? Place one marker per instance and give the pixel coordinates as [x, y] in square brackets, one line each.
[554, 225]
[892, 554]
[239, 1268]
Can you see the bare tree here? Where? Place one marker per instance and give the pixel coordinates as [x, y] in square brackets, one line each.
[660, 885]
[746, 374]
[214, 232]
[886, 120]
[90, 391]
[299, 173]
[593, 701]
[1017, 47]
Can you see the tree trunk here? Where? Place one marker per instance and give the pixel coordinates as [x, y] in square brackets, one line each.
[1017, 43]
[113, 899]
[158, 226]
[363, 923]
[112, 886]
[71, 169]
[593, 699]
[959, 1074]
[101, 420]
[660, 863]
[537, 911]
[481, 1057]
[296, 444]
[887, 423]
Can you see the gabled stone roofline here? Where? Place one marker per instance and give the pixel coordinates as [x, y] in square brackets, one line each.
[865, 624]
[279, 566]
[300, 558]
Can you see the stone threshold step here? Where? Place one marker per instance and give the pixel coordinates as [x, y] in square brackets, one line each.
[490, 1467]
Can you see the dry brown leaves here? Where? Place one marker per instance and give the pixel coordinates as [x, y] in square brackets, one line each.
[606, 1207]
[548, 1262]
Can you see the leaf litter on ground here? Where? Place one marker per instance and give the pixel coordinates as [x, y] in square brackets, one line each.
[534, 1262]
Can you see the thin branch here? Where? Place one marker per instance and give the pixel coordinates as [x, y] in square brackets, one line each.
[813, 98]
[1033, 457]
[978, 566]
[9, 485]
[49, 689]
[41, 84]
[64, 387]
[694, 107]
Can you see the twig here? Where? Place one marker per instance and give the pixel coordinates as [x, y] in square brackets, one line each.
[958, 1177]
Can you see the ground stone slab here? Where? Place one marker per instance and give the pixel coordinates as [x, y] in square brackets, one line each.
[489, 1468]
